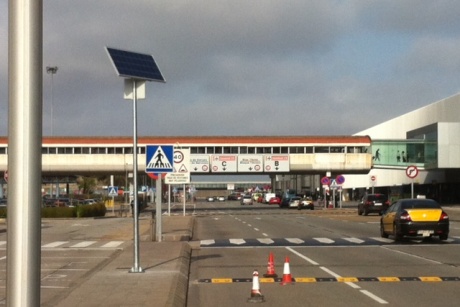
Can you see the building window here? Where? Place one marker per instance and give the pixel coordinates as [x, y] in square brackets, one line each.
[321, 149]
[243, 150]
[284, 150]
[276, 150]
[210, 150]
[308, 150]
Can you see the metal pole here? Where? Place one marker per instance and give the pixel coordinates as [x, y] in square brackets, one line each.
[25, 83]
[136, 268]
[52, 70]
[183, 190]
[158, 215]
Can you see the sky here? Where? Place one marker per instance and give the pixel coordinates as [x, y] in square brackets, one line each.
[243, 68]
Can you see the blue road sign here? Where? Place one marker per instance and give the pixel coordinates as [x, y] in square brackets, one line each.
[159, 159]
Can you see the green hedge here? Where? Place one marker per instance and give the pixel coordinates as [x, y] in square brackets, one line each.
[95, 210]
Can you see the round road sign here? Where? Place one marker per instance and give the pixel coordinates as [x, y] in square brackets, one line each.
[412, 171]
[178, 156]
[325, 180]
[340, 179]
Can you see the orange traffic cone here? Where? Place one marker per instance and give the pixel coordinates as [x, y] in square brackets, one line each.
[271, 267]
[287, 278]
[256, 296]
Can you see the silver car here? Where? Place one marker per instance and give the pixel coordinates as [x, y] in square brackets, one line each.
[246, 199]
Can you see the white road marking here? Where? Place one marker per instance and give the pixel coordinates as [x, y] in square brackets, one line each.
[324, 240]
[354, 240]
[295, 240]
[237, 241]
[207, 242]
[112, 244]
[55, 244]
[83, 244]
[351, 284]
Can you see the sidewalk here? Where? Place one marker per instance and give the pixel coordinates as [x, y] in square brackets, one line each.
[164, 280]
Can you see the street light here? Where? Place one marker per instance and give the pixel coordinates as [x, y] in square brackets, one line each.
[51, 70]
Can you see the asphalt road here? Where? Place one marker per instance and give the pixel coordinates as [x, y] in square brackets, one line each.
[337, 259]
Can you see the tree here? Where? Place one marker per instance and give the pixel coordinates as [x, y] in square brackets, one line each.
[87, 185]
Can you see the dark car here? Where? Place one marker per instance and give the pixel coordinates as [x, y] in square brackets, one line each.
[415, 218]
[373, 203]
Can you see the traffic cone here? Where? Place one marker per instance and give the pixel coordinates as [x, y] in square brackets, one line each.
[271, 267]
[256, 296]
[287, 278]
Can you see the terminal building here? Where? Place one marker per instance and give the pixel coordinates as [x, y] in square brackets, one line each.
[426, 139]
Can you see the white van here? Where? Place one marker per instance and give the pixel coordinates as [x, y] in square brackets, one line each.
[267, 197]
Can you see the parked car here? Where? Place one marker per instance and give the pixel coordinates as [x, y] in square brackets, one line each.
[295, 202]
[246, 199]
[267, 197]
[221, 198]
[414, 218]
[274, 201]
[307, 202]
[286, 198]
[211, 198]
[373, 203]
[234, 196]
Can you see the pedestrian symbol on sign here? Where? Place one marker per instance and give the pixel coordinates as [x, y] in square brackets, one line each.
[159, 159]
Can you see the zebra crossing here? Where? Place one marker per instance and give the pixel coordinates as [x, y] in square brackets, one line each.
[78, 244]
[320, 241]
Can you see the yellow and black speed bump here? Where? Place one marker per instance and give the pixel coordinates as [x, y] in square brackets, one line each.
[331, 279]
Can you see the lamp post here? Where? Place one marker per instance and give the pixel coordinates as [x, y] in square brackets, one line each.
[52, 70]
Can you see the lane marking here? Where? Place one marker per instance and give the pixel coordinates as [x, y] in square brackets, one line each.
[302, 256]
[83, 244]
[347, 281]
[112, 244]
[55, 244]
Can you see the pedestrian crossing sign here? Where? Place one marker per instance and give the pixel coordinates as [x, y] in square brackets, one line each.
[159, 159]
[113, 191]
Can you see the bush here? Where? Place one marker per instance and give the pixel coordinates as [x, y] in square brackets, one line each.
[96, 210]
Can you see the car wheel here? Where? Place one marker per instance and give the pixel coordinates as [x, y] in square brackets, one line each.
[383, 234]
[366, 212]
[360, 212]
[312, 207]
[443, 237]
[397, 235]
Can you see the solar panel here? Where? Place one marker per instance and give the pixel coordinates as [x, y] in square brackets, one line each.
[135, 65]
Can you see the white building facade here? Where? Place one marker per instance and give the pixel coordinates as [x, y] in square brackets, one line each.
[427, 138]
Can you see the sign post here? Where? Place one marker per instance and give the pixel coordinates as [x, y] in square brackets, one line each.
[159, 159]
[412, 172]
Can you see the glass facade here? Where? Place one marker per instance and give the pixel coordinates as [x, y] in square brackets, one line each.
[405, 152]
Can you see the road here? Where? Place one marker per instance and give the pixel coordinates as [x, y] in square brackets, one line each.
[335, 260]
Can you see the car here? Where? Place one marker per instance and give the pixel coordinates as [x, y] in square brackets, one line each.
[211, 198]
[234, 196]
[286, 198]
[89, 201]
[414, 218]
[255, 196]
[295, 202]
[221, 198]
[274, 201]
[373, 203]
[246, 199]
[307, 202]
[267, 197]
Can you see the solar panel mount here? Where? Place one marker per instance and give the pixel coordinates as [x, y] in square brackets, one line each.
[135, 65]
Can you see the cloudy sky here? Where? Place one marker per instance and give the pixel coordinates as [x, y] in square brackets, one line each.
[239, 67]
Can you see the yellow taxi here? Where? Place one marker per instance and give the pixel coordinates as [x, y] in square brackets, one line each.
[414, 218]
